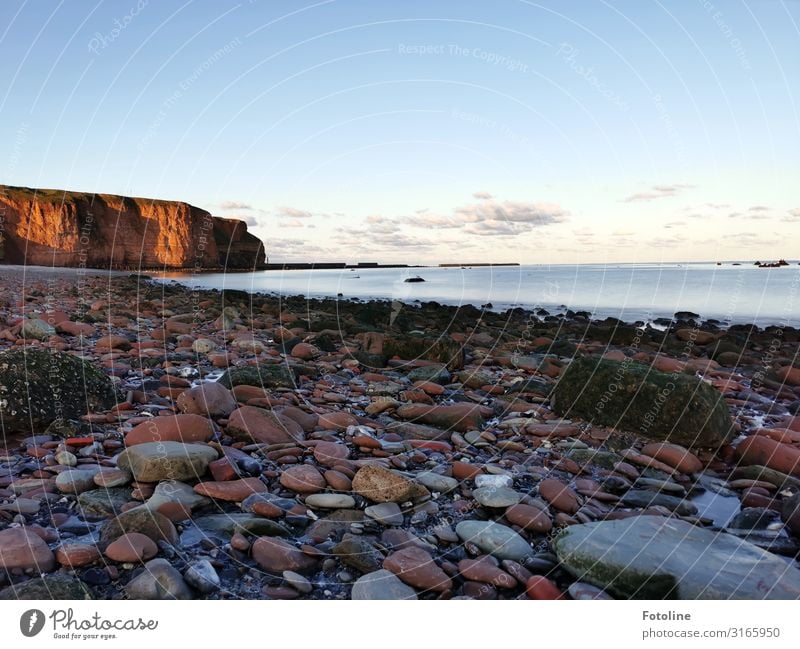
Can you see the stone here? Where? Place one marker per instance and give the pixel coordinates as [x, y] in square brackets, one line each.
[677, 457]
[76, 481]
[298, 582]
[156, 461]
[110, 478]
[65, 458]
[493, 538]
[381, 585]
[485, 570]
[77, 555]
[539, 587]
[416, 568]
[382, 485]
[139, 519]
[52, 587]
[500, 480]
[241, 523]
[37, 328]
[208, 400]
[790, 513]
[305, 351]
[173, 491]
[132, 547]
[230, 490]
[761, 450]
[103, 503]
[202, 576]
[356, 552]
[385, 513]
[559, 495]
[38, 386]
[330, 501]
[22, 548]
[250, 423]
[460, 417]
[203, 346]
[330, 453]
[430, 374]
[178, 428]
[337, 420]
[650, 557]
[436, 481]
[529, 518]
[159, 580]
[496, 497]
[634, 397]
[275, 555]
[303, 478]
[264, 376]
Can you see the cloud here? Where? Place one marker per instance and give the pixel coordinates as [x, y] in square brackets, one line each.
[758, 208]
[235, 205]
[292, 213]
[482, 196]
[674, 224]
[657, 191]
[793, 215]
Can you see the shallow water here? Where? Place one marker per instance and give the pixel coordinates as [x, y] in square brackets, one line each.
[732, 294]
[716, 507]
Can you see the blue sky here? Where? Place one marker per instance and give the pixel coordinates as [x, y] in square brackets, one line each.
[536, 132]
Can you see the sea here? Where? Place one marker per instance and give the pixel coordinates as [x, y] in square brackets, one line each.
[733, 292]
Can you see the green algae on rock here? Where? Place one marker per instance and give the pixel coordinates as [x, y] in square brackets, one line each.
[38, 386]
[264, 375]
[636, 398]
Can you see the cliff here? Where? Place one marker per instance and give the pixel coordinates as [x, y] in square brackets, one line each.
[53, 227]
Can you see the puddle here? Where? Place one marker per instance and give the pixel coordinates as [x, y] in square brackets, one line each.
[716, 507]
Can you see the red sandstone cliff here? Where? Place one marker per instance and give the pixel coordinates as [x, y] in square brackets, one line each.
[58, 228]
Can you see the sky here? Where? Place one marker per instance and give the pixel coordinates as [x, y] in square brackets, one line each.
[424, 132]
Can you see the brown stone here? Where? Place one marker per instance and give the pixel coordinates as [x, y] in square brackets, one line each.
[330, 453]
[416, 567]
[485, 570]
[77, 555]
[382, 485]
[177, 428]
[336, 420]
[559, 495]
[231, 490]
[208, 400]
[263, 426]
[529, 518]
[539, 587]
[764, 451]
[675, 456]
[303, 478]
[22, 548]
[275, 555]
[132, 548]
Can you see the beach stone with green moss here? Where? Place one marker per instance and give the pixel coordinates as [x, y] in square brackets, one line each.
[264, 376]
[38, 386]
[633, 397]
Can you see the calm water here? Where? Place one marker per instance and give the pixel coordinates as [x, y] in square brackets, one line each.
[626, 291]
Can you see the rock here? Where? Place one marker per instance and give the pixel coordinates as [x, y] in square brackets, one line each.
[539, 587]
[330, 501]
[337, 420]
[159, 580]
[416, 567]
[330, 453]
[208, 400]
[264, 376]
[110, 478]
[76, 481]
[496, 497]
[385, 513]
[139, 519]
[305, 351]
[173, 491]
[485, 570]
[155, 461]
[529, 518]
[436, 482]
[382, 485]
[77, 555]
[303, 478]
[178, 428]
[559, 495]
[493, 538]
[231, 490]
[675, 456]
[356, 552]
[52, 587]
[643, 499]
[21, 548]
[761, 450]
[430, 373]
[440, 349]
[38, 386]
[650, 557]
[790, 513]
[37, 329]
[381, 585]
[202, 576]
[65, 458]
[275, 555]
[789, 375]
[257, 424]
[460, 417]
[203, 346]
[634, 397]
[495, 481]
[241, 523]
[132, 548]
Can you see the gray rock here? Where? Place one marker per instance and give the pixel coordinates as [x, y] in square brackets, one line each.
[173, 491]
[298, 582]
[642, 499]
[265, 376]
[102, 503]
[330, 501]
[156, 461]
[358, 553]
[381, 585]
[496, 481]
[385, 513]
[76, 481]
[202, 576]
[496, 497]
[493, 538]
[436, 482]
[243, 523]
[159, 580]
[36, 328]
[433, 373]
[649, 557]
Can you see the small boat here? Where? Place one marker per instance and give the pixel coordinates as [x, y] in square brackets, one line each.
[354, 277]
[409, 280]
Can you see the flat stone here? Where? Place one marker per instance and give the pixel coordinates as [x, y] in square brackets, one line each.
[275, 555]
[382, 485]
[497, 497]
[303, 478]
[642, 499]
[51, 587]
[252, 424]
[207, 400]
[156, 461]
[76, 481]
[385, 513]
[177, 428]
[330, 501]
[650, 557]
[102, 503]
[529, 518]
[139, 519]
[132, 548]
[230, 490]
[174, 491]
[381, 585]
[202, 576]
[159, 580]
[243, 523]
[493, 538]
[436, 482]
[416, 567]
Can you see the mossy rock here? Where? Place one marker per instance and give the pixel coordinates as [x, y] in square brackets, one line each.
[38, 386]
[264, 375]
[54, 586]
[440, 350]
[636, 398]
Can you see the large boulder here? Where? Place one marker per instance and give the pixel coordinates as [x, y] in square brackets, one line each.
[629, 396]
[38, 386]
[156, 461]
[650, 557]
[265, 376]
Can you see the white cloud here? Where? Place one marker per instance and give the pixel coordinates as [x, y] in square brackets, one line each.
[657, 191]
